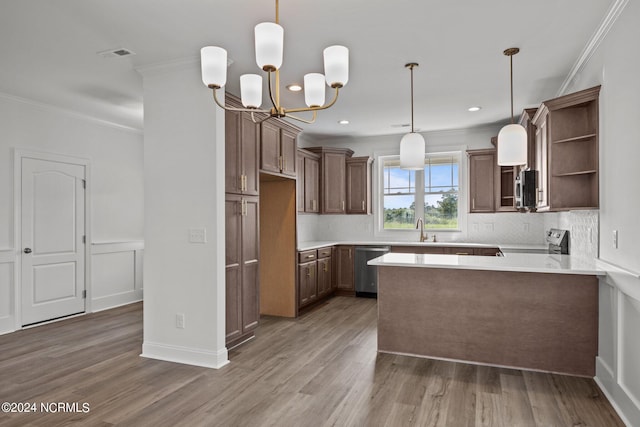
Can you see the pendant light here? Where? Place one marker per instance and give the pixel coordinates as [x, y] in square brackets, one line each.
[512, 139]
[412, 144]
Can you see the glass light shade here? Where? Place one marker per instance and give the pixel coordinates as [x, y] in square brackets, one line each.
[412, 151]
[251, 90]
[269, 45]
[213, 60]
[314, 89]
[512, 145]
[336, 65]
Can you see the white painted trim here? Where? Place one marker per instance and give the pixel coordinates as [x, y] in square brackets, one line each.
[592, 45]
[71, 113]
[114, 247]
[116, 300]
[625, 281]
[185, 355]
[18, 155]
[7, 255]
[616, 396]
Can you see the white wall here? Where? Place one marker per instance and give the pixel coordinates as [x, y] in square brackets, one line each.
[116, 156]
[496, 228]
[184, 188]
[615, 65]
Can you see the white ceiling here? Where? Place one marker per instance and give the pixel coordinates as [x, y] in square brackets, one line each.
[48, 50]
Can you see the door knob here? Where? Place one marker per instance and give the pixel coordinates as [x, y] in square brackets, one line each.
[27, 250]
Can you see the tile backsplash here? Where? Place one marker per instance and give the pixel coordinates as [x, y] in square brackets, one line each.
[583, 229]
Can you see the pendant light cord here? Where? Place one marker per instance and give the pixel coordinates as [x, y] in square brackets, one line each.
[511, 76]
[411, 68]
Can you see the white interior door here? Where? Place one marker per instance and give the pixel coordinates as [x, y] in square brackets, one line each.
[53, 255]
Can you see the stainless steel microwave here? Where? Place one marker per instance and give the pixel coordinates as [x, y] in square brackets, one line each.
[525, 189]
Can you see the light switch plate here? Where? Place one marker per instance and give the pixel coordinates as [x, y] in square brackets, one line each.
[615, 239]
[197, 235]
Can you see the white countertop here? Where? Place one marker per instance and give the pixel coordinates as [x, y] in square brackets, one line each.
[520, 262]
[506, 247]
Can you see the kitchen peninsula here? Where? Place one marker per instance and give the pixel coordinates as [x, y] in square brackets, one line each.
[528, 311]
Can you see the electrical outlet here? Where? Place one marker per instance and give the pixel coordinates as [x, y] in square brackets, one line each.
[615, 239]
[525, 227]
[197, 235]
[180, 320]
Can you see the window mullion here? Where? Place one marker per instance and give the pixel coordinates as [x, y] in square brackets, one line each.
[419, 194]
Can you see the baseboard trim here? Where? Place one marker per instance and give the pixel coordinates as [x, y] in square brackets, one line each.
[618, 398]
[117, 300]
[185, 355]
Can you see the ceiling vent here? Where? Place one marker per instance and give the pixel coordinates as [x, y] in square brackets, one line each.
[116, 53]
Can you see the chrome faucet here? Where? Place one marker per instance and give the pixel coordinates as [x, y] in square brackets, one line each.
[420, 224]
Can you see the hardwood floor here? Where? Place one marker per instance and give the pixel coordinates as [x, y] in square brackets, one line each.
[319, 370]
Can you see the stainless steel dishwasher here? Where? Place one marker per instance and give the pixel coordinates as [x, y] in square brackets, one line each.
[367, 275]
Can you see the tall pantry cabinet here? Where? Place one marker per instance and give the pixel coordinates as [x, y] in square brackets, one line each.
[242, 229]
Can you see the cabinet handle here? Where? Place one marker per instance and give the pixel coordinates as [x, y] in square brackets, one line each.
[314, 203]
[308, 272]
[244, 208]
[349, 253]
[325, 269]
[309, 256]
[284, 163]
[363, 205]
[280, 163]
[462, 253]
[244, 182]
[343, 205]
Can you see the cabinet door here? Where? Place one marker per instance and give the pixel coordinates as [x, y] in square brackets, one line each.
[324, 276]
[250, 264]
[311, 185]
[345, 268]
[233, 270]
[333, 183]
[270, 147]
[307, 287]
[481, 182]
[357, 186]
[233, 174]
[250, 148]
[300, 182]
[288, 150]
[542, 190]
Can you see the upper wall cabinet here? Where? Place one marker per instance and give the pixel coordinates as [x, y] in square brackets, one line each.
[241, 151]
[567, 151]
[526, 121]
[504, 180]
[359, 185]
[278, 148]
[482, 167]
[333, 170]
[308, 184]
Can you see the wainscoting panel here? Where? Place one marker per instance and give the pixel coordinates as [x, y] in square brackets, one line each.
[617, 367]
[116, 274]
[7, 322]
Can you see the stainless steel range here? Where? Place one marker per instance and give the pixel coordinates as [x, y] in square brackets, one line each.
[558, 241]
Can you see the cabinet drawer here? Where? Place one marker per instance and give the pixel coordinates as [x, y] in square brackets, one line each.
[305, 256]
[324, 252]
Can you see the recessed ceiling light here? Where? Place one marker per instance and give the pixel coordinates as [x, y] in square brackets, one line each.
[475, 108]
[294, 87]
[343, 122]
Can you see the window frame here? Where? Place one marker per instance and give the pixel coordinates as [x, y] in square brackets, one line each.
[383, 158]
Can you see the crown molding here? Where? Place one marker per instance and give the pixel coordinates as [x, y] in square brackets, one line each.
[592, 45]
[70, 113]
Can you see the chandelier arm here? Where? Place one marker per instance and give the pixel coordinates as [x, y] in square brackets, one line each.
[273, 101]
[323, 107]
[253, 117]
[240, 110]
[300, 119]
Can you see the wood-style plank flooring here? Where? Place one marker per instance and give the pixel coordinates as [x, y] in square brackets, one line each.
[319, 370]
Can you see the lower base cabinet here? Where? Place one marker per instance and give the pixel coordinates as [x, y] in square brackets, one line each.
[314, 275]
[345, 278]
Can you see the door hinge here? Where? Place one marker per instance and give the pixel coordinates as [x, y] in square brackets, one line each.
[84, 239]
[84, 183]
[84, 293]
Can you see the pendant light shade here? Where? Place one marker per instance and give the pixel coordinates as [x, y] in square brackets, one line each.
[269, 45]
[412, 144]
[251, 90]
[336, 65]
[512, 139]
[412, 151]
[214, 66]
[314, 89]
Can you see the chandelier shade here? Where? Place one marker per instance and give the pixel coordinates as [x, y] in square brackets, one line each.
[512, 139]
[336, 65]
[214, 66]
[251, 90]
[314, 89]
[269, 46]
[412, 147]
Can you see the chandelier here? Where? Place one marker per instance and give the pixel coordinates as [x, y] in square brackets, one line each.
[269, 40]
[412, 144]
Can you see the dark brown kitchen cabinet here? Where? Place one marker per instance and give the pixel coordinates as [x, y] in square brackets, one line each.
[314, 275]
[345, 279]
[505, 185]
[567, 152]
[241, 151]
[359, 185]
[307, 285]
[526, 121]
[324, 273]
[242, 267]
[278, 147]
[482, 166]
[333, 170]
[308, 182]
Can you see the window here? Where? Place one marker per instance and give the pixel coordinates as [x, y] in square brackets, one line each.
[431, 194]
